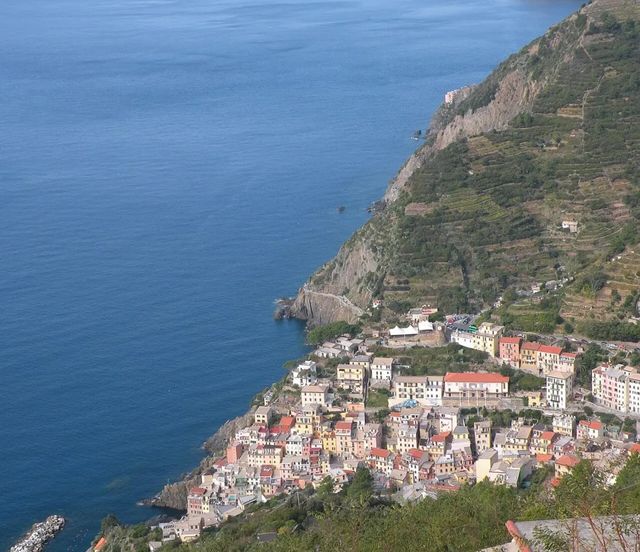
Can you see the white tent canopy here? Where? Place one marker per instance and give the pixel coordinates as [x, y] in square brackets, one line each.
[403, 332]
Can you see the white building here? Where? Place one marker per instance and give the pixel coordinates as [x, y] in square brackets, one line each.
[464, 339]
[425, 390]
[475, 385]
[315, 394]
[381, 369]
[564, 424]
[634, 393]
[559, 388]
[409, 331]
[304, 374]
[407, 438]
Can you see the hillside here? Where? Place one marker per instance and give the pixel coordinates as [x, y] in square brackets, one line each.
[552, 135]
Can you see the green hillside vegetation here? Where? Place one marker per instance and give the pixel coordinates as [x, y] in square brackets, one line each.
[435, 361]
[496, 201]
[356, 519]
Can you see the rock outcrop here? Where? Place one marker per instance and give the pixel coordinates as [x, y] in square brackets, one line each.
[335, 292]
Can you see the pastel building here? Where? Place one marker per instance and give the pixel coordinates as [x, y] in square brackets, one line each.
[425, 390]
[559, 389]
[510, 350]
[475, 386]
[382, 370]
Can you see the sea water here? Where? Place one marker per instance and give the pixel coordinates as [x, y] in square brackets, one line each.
[168, 168]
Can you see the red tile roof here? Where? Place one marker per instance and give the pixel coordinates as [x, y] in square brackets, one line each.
[197, 491]
[510, 340]
[380, 452]
[594, 424]
[415, 453]
[475, 377]
[570, 355]
[343, 425]
[531, 346]
[635, 448]
[550, 349]
[547, 435]
[266, 471]
[568, 460]
[440, 437]
[287, 421]
[542, 458]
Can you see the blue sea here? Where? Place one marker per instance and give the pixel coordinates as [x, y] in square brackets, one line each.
[168, 168]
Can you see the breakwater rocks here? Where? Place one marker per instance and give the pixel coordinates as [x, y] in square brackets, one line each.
[39, 535]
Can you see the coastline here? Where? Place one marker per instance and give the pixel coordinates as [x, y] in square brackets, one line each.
[174, 495]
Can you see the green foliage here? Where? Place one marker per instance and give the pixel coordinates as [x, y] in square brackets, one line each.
[320, 334]
[496, 200]
[140, 530]
[613, 330]
[586, 362]
[437, 360]
[108, 522]
[522, 381]
[360, 490]
[381, 414]
[378, 398]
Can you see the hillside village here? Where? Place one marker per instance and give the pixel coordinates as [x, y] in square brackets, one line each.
[346, 407]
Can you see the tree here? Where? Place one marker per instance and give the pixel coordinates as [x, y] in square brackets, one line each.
[108, 522]
[361, 488]
[586, 362]
[381, 414]
[321, 334]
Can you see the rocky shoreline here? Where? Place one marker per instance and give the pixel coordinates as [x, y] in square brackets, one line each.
[39, 535]
[174, 495]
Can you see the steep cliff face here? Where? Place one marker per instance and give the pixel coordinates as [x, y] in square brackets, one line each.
[501, 166]
[338, 291]
[515, 94]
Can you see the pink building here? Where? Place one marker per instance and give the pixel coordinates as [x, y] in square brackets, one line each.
[510, 350]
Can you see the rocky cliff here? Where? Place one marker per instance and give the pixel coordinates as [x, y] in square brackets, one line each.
[539, 102]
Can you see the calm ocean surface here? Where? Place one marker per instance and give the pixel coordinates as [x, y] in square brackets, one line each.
[167, 169]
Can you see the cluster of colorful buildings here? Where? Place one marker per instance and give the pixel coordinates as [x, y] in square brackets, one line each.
[320, 428]
[416, 452]
[551, 362]
[535, 358]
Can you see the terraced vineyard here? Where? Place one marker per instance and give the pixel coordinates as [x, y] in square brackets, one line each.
[498, 199]
[493, 202]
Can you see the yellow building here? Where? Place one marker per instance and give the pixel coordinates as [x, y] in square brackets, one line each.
[487, 338]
